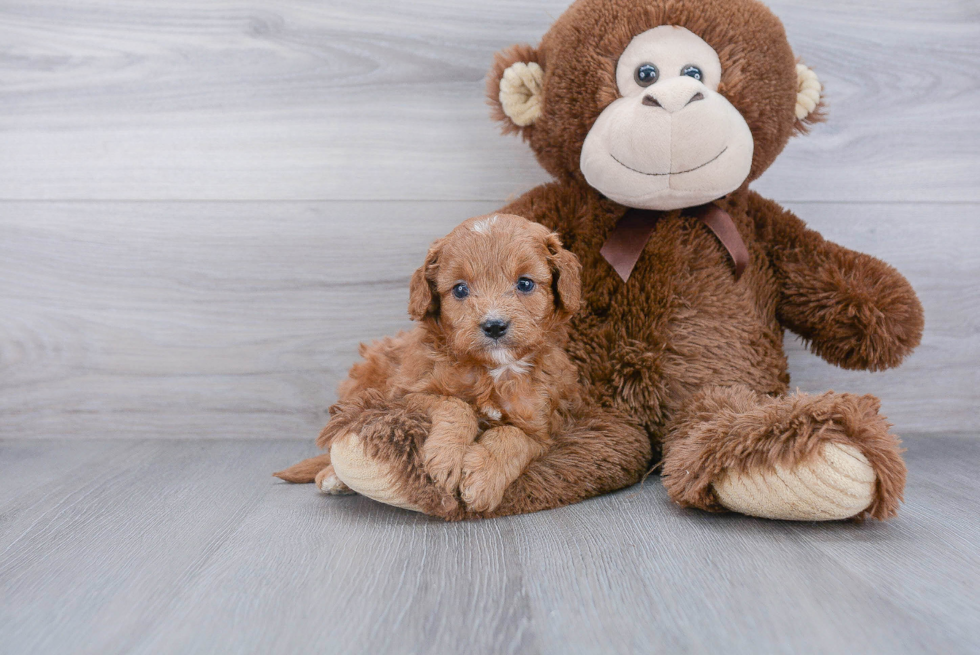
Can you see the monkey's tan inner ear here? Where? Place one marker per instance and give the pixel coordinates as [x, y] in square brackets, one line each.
[520, 92]
[808, 90]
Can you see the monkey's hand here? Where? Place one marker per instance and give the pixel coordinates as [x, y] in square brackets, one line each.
[854, 310]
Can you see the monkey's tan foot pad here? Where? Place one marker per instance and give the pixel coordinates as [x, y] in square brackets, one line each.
[364, 475]
[837, 484]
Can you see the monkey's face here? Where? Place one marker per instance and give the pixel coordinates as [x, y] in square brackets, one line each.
[657, 104]
[670, 140]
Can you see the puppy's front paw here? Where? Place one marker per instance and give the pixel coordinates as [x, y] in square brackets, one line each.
[444, 464]
[483, 484]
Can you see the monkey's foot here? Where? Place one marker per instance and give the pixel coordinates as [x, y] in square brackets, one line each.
[797, 457]
[366, 475]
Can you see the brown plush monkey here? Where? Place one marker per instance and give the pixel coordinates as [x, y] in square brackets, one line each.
[654, 116]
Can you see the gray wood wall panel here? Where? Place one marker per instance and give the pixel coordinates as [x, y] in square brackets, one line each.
[346, 99]
[238, 319]
[129, 308]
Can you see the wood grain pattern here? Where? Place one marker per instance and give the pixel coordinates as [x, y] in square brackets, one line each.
[238, 319]
[172, 99]
[189, 546]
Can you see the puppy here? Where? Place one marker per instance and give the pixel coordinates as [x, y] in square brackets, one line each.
[486, 362]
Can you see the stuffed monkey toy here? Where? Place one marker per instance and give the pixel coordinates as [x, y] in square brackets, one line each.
[654, 116]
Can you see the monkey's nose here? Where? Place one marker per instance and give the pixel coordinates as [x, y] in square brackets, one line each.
[672, 101]
[494, 327]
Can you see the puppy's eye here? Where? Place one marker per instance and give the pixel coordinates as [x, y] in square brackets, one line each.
[460, 291]
[693, 71]
[525, 285]
[646, 74]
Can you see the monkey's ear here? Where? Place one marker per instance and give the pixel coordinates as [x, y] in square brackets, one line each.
[566, 277]
[810, 108]
[515, 88]
[423, 296]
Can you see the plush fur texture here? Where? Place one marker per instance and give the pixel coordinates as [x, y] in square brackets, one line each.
[452, 383]
[688, 353]
[682, 329]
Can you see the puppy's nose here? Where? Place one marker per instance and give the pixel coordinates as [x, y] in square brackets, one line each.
[494, 327]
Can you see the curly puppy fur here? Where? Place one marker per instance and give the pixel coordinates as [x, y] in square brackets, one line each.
[449, 382]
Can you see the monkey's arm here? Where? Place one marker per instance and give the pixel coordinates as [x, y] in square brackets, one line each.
[854, 310]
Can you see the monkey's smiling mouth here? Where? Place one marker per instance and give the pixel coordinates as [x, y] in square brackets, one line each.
[690, 170]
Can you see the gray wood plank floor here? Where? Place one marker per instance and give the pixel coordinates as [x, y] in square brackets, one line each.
[189, 546]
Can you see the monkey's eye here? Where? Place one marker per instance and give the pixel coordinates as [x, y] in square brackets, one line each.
[646, 74]
[693, 71]
[525, 285]
[460, 291]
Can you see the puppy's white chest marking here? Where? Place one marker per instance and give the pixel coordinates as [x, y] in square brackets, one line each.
[491, 413]
[507, 364]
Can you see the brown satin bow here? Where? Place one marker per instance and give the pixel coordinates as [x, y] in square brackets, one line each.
[630, 236]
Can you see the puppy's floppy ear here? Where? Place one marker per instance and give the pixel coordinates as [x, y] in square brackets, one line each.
[515, 88]
[566, 274]
[423, 297]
